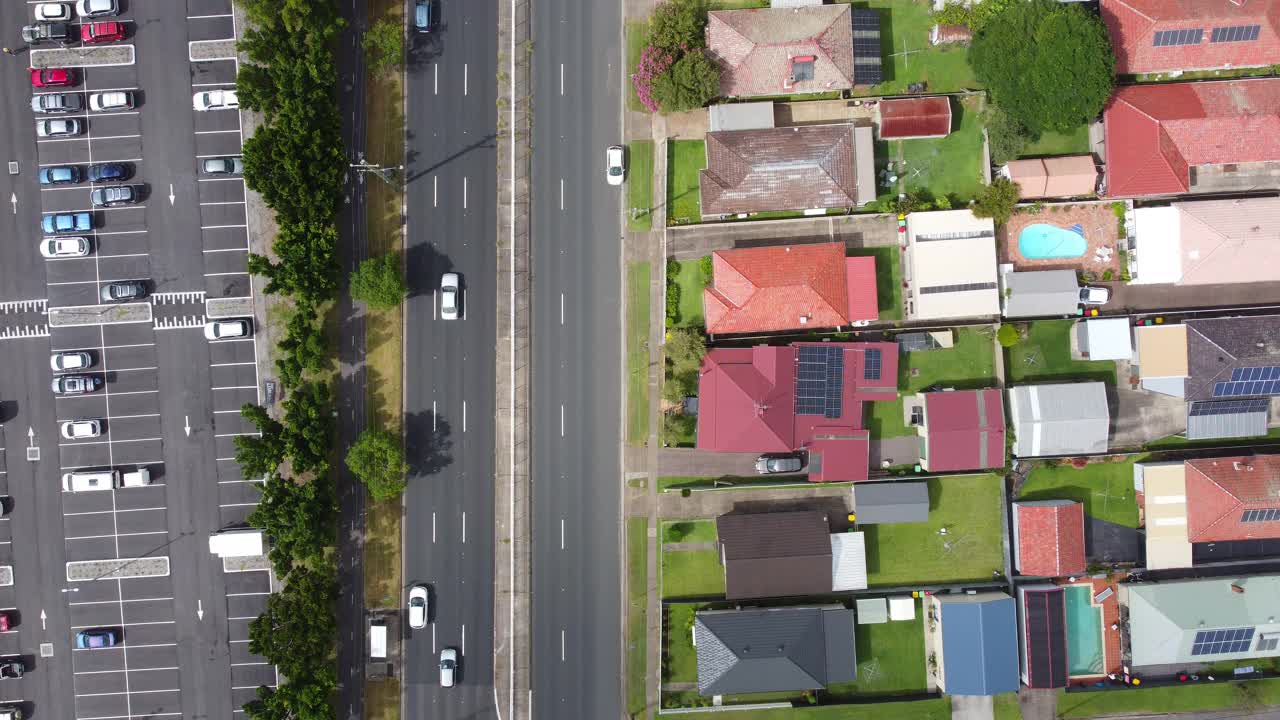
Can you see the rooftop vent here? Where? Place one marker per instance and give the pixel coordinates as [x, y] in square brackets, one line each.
[1237, 588]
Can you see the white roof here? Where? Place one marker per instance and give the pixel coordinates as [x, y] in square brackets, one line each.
[902, 608]
[1109, 339]
[1059, 419]
[848, 561]
[378, 641]
[952, 265]
[1158, 252]
[236, 543]
[1164, 493]
[740, 116]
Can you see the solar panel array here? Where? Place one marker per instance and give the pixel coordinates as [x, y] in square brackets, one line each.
[1235, 33]
[1270, 372]
[871, 365]
[1250, 381]
[1170, 38]
[820, 381]
[867, 69]
[866, 19]
[1216, 642]
[1230, 407]
[1262, 515]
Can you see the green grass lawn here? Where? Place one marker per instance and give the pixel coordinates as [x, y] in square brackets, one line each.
[680, 658]
[691, 574]
[689, 531]
[904, 28]
[1006, 707]
[891, 660]
[912, 553]
[949, 166]
[637, 598]
[1075, 142]
[1045, 355]
[637, 353]
[888, 279]
[936, 709]
[689, 278]
[637, 35]
[1106, 489]
[640, 185]
[684, 159]
[969, 364]
[1170, 699]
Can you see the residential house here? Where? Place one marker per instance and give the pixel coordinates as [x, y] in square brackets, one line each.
[805, 396]
[1162, 358]
[1053, 177]
[1158, 36]
[1233, 499]
[848, 561]
[791, 287]
[1164, 492]
[776, 51]
[976, 638]
[1048, 538]
[1105, 339]
[1197, 137]
[878, 503]
[810, 167]
[1040, 293]
[1208, 620]
[1207, 242]
[1059, 419]
[740, 116]
[951, 266]
[958, 429]
[785, 649]
[1042, 634]
[915, 118]
[775, 554]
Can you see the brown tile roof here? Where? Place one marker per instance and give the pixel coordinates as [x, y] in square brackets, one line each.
[1229, 241]
[1216, 346]
[1219, 490]
[915, 118]
[1050, 537]
[776, 554]
[755, 49]
[789, 168]
[771, 288]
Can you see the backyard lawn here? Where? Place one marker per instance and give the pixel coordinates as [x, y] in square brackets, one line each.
[689, 531]
[915, 553]
[938, 709]
[907, 55]
[969, 364]
[890, 660]
[692, 574]
[949, 166]
[684, 159]
[1106, 489]
[639, 184]
[1044, 355]
[1170, 699]
[1075, 142]
[637, 353]
[689, 278]
[888, 279]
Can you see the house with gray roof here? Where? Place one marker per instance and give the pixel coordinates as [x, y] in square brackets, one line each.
[1059, 419]
[783, 649]
[977, 640]
[1040, 293]
[891, 502]
[1233, 358]
[1203, 621]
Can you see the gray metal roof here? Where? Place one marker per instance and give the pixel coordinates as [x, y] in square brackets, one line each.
[741, 116]
[1062, 419]
[774, 649]
[1041, 293]
[1207, 420]
[891, 502]
[848, 561]
[1165, 617]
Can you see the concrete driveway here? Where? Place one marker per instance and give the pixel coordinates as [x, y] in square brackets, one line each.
[855, 231]
[972, 707]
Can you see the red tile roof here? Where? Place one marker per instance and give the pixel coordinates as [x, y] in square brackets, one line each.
[755, 49]
[1133, 25]
[965, 430]
[1219, 490]
[915, 118]
[860, 277]
[1050, 537]
[1155, 133]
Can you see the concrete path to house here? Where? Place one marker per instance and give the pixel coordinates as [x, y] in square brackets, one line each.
[1038, 704]
[903, 450]
[972, 707]
[855, 231]
[834, 501]
[691, 462]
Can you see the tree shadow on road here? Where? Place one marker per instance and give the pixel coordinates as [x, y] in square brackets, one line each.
[424, 264]
[428, 443]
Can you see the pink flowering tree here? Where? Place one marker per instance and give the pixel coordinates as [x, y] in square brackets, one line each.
[654, 62]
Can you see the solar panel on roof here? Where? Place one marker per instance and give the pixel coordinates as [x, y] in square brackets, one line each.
[871, 365]
[1244, 388]
[1171, 38]
[1270, 372]
[1261, 515]
[868, 72]
[1229, 407]
[1235, 33]
[1217, 642]
[820, 381]
[866, 19]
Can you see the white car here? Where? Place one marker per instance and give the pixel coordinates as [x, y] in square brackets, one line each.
[225, 329]
[1092, 295]
[57, 128]
[80, 429]
[448, 666]
[615, 171]
[449, 296]
[53, 11]
[64, 247]
[108, 101]
[70, 361]
[215, 100]
[418, 607]
[97, 8]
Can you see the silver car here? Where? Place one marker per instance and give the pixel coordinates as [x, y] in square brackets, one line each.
[770, 464]
[56, 103]
[68, 127]
[448, 666]
[223, 166]
[450, 296]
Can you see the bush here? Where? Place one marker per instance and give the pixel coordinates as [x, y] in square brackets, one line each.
[673, 293]
[1006, 137]
[654, 63]
[996, 201]
[974, 17]
[384, 44]
[706, 268]
[377, 459]
[1118, 209]
[379, 282]
[678, 25]
[693, 81]
[1008, 336]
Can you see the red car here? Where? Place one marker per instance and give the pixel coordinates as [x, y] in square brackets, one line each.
[102, 31]
[6, 621]
[52, 77]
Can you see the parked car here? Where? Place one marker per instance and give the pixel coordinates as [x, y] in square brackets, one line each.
[770, 464]
[52, 11]
[226, 329]
[97, 8]
[8, 620]
[63, 247]
[60, 175]
[108, 172]
[63, 127]
[98, 32]
[113, 196]
[63, 223]
[46, 34]
[70, 360]
[1093, 295]
[11, 712]
[448, 666]
[122, 290]
[53, 77]
[615, 169]
[449, 296]
[76, 384]
[422, 19]
[97, 638]
[81, 429]
[215, 100]
[11, 668]
[108, 101]
[56, 103]
[223, 166]
[418, 607]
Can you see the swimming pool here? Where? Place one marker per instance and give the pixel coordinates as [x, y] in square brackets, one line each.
[1084, 632]
[1042, 241]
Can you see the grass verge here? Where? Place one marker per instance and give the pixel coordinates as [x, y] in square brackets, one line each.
[640, 185]
[637, 353]
[1105, 488]
[1006, 707]
[685, 158]
[679, 658]
[1170, 699]
[689, 531]
[1044, 355]
[637, 36]
[692, 574]
[637, 601]
[689, 278]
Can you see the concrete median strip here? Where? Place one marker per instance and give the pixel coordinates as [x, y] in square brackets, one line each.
[76, 315]
[228, 307]
[198, 50]
[76, 57]
[6, 575]
[85, 570]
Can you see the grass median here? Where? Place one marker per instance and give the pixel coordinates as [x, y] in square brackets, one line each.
[637, 603]
[637, 353]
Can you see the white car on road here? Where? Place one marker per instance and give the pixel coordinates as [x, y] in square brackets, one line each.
[418, 607]
[448, 666]
[63, 247]
[215, 100]
[449, 296]
[97, 8]
[80, 429]
[615, 165]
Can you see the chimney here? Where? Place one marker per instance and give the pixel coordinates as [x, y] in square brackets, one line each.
[1237, 588]
[804, 319]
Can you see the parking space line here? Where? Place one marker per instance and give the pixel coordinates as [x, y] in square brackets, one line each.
[107, 512]
[248, 594]
[231, 505]
[230, 179]
[90, 396]
[217, 84]
[216, 132]
[128, 534]
[234, 364]
[108, 442]
[105, 672]
[243, 249]
[224, 202]
[130, 717]
[208, 17]
[225, 273]
[152, 622]
[125, 160]
[117, 137]
[135, 369]
[81, 467]
[115, 602]
[221, 227]
[127, 692]
[106, 347]
[248, 664]
[243, 434]
[237, 387]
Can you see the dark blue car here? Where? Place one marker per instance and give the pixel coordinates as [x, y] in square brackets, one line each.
[60, 175]
[62, 223]
[109, 172]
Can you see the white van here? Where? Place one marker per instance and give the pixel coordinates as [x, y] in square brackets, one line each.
[87, 481]
[138, 478]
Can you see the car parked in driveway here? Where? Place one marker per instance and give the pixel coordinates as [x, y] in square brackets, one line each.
[226, 329]
[97, 638]
[1093, 295]
[781, 463]
[97, 8]
[448, 667]
[62, 127]
[114, 196]
[60, 175]
[52, 11]
[75, 384]
[70, 361]
[81, 429]
[53, 77]
[63, 223]
[98, 32]
[223, 166]
[11, 712]
[450, 296]
[215, 100]
[64, 247]
[108, 101]
[418, 607]
[122, 290]
[615, 165]
[108, 172]
[47, 33]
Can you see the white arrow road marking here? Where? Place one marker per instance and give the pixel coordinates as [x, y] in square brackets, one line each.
[43, 617]
[13, 198]
[200, 609]
[186, 420]
[171, 195]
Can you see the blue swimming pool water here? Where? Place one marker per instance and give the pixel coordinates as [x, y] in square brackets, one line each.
[1042, 241]
[1084, 631]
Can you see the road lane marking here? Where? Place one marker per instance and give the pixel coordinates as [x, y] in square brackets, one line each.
[561, 533]
[433, 638]
[464, 416]
[435, 188]
[561, 645]
[464, 78]
[463, 646]
[561, 308]
[562, 420]
[433, 527]
[464, 526]
[561, 78]
[561, 193]
[434, 415]
[464, 192]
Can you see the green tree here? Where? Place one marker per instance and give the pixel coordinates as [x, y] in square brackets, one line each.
[304, 348]
[379, 281]
[259, 455]
[1008, 336]
[308, 427]
[693, 81]
[685, 349]
[996, 200]
[304, 698]
[1006, 136]
[678, 25]
[377, 459]
[384, 44]
[1049, 65]
[299, 517]
[296, 631]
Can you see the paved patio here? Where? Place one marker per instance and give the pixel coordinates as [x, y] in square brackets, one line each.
[1100, 231]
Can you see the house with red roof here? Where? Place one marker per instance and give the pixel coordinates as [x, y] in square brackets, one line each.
[1048, 538]
[1197, 137]
[1233, 498]
[782, 51]
[914, 118]
[959, 429]
[1151, 36]
[787, 288]
[803, 396]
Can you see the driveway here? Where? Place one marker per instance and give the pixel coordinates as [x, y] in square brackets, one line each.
[1141, 416]
[691, 462]
[972, 707]
[1128, 298]
[855, 231]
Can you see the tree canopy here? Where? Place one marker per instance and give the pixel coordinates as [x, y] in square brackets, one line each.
[379, 282]
[693, 81]
[997, 200]
[677, 25]
[1046, 64]
[377, 459]
[384, 44]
